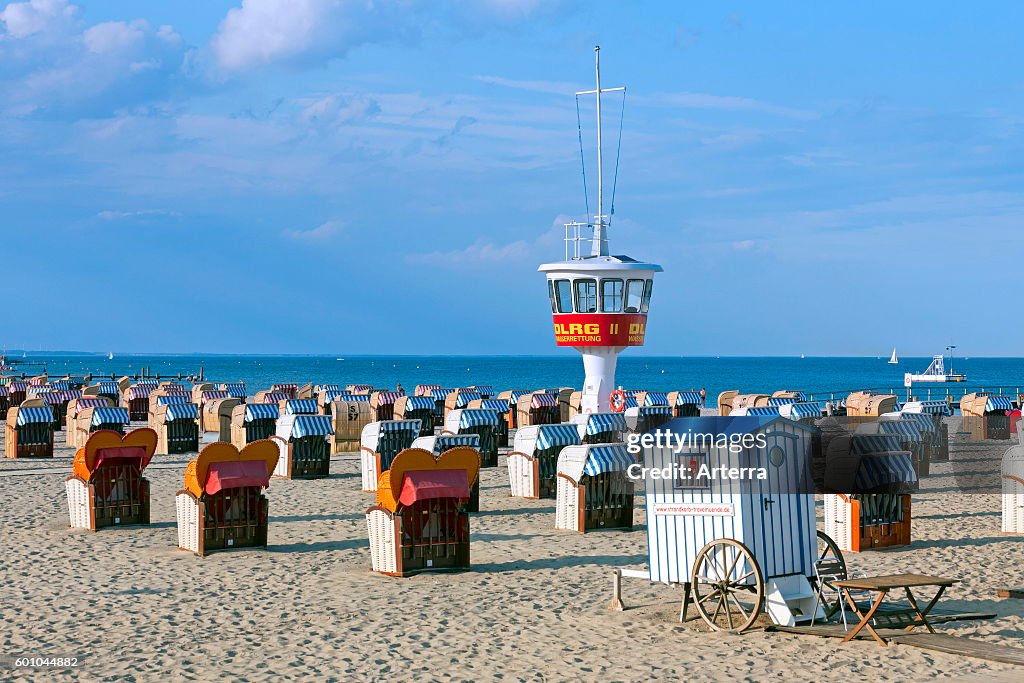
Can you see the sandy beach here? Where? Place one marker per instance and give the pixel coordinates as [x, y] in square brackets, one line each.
[131, 606]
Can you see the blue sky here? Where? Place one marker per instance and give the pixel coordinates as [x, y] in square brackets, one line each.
[346, 176]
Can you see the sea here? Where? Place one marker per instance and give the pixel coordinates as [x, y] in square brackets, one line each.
[822, 377]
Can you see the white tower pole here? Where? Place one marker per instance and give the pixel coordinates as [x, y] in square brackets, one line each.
[600, 247]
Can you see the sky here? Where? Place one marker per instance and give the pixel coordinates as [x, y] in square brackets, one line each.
[348, 176]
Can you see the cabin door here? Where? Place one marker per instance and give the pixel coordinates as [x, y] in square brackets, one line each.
[783, 515]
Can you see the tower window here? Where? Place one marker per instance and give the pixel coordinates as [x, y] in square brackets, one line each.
[586, 296]
[634, 295]
[611, 296]
[563, 296]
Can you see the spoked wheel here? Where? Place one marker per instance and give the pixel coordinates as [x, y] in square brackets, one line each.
[727, 585]
[828, 550]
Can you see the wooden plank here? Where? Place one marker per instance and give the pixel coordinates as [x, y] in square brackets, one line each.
[1011, 592]
[839, 631]
[955, 645]
[892, 581]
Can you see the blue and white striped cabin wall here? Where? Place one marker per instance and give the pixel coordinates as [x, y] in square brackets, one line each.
[783, 541]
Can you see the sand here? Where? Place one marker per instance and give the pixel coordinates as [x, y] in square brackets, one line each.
[130, 606]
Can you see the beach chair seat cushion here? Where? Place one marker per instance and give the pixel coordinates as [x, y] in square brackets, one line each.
[236, 474]
[430, 484]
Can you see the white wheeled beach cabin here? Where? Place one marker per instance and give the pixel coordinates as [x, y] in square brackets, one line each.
[768, 525]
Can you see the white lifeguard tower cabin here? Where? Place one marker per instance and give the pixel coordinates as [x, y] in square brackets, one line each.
[599, 300]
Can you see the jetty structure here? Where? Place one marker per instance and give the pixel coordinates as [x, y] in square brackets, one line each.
[599, 300]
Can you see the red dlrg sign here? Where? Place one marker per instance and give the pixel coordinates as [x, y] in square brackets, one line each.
[600, 329]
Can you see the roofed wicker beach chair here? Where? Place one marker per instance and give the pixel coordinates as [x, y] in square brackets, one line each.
[107, 487]
[593, 490]
[420, 522]
[252, 422]
[304, 450]
[29, 431]
[533, 462]
[380, 443]
[222, 504]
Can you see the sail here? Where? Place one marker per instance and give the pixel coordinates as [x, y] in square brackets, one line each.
[894, 359]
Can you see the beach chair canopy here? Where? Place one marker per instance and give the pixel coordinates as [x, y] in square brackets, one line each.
[656, 398]
[275, 397]
[497, 404]
[596, 423]
[358, 387]
[138, 391]
[19, 385]
[261, 411]
[544, 401]
[108, 387]
[110, 416]
[173, 400]
[300, 406]
[431, 480]
[221, 466]
[874, 443]
[924, 422]
[355, 398]
[926, 407]
[477, 417]
[61, 384]
[776, 401]
[440, 394]
[419, 403]
[90, 402]
[330, 395]
[463, 398]
[385, 398]
[181, 411]
[549, 436]
[286, 386]
[319, 388]
[517, 394]
[215, 394]
[878, 470]
[425, 389]
[757, 411]
[234, 389]
[998, 404]
[909, 431]
[106, 447]
[37, 391]
[575, 461]
[800, 411]
[4, 391]
[61, 396]
[446, 442]
[27, 416]
[654, 410]
[299, 426]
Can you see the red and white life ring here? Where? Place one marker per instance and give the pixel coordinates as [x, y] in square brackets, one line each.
[617, 400]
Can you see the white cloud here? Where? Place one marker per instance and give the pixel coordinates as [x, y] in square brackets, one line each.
[696, 100]
[263, 32]
[270, 32]
[320, 233]
[480, 254]
[24, 19]
[142, 213]
[114, 36]
[52, 62]
[550, 87]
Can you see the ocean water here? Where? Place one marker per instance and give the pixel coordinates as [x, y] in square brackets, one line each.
[820, 376]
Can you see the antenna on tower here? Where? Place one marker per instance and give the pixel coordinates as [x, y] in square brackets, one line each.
[601, 220]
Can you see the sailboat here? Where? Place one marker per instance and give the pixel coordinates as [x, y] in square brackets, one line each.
[110, 355]
[894, 359]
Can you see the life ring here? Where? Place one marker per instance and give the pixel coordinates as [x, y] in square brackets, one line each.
[617, 400]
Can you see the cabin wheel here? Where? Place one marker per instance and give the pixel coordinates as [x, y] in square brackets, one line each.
[727, 586]
[829, 550]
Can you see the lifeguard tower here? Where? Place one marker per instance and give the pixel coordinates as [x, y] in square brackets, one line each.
[599, 301]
